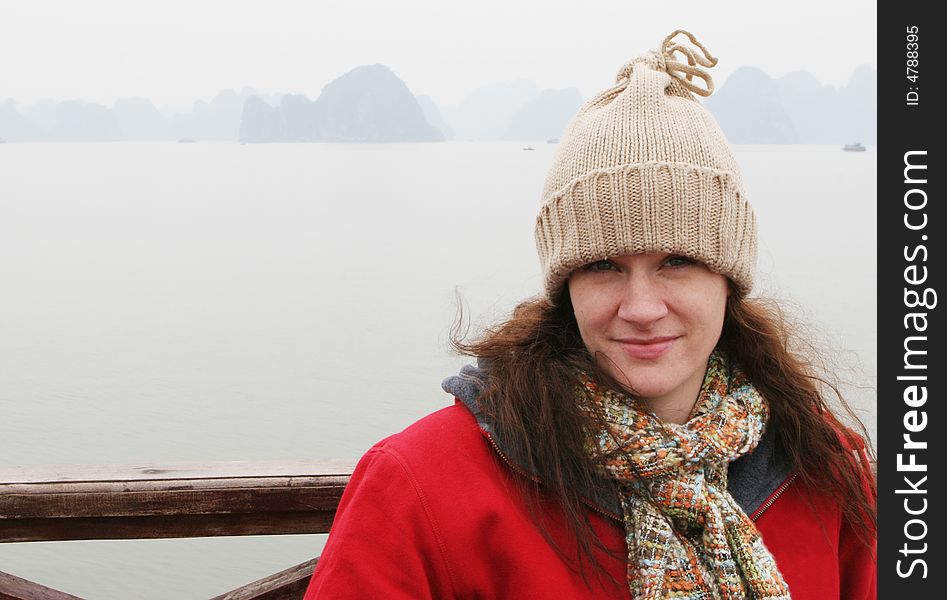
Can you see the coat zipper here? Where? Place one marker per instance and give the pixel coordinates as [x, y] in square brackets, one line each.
[772, 498]
[516, 468]
[521, 471]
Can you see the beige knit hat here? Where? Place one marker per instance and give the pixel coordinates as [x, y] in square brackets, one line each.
[643, 167]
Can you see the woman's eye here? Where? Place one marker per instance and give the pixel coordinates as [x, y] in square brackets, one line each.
[679, 261]
[600, 265]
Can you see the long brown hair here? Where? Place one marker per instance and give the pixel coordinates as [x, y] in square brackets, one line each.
[530, 402]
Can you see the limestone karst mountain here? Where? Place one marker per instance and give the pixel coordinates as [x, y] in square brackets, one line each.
[753, 108]
[372, 104]
[545, 116]
[486, 112]
[367, 104]
[749, 110]
[433, 116]
[15, 127]
[859, 102]
[138, 119]
[79, 121]
[218, 119]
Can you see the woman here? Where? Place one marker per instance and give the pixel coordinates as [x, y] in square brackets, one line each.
[643, 430]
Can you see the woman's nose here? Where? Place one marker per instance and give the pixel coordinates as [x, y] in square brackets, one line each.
[642, 302]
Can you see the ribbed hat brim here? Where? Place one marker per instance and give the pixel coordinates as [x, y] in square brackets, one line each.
[652, 207]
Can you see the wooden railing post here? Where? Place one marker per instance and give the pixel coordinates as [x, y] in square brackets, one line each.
[285, 585]
[15, 588]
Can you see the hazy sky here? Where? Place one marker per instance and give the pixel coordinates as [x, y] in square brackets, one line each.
[176, 51]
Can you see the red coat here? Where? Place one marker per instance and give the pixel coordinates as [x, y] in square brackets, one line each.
[434, 512]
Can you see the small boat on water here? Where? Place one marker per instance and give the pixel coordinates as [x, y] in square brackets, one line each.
[186, 141]
[528, 148]
[856, 147]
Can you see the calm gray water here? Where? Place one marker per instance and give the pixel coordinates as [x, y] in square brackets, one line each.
[167, 302]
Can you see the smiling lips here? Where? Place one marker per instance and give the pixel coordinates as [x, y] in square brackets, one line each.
[647, 348]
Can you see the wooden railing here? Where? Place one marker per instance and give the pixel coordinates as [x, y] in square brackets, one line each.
[173, 501]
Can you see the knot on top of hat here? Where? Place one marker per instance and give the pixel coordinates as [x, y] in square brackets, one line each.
[665, 60]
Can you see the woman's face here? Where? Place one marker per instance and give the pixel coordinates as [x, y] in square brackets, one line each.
[651, 322]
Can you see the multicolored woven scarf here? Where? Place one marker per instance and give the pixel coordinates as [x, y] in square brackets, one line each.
[687, 537]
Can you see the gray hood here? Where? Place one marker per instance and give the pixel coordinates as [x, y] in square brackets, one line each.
[751, 479]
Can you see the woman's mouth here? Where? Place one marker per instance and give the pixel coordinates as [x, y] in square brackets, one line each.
[647, 348]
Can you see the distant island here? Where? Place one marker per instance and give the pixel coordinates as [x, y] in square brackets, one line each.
[753, 108]
[371, 104]
[367, 104]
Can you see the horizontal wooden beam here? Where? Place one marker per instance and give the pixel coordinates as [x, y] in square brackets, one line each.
[170, 501]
